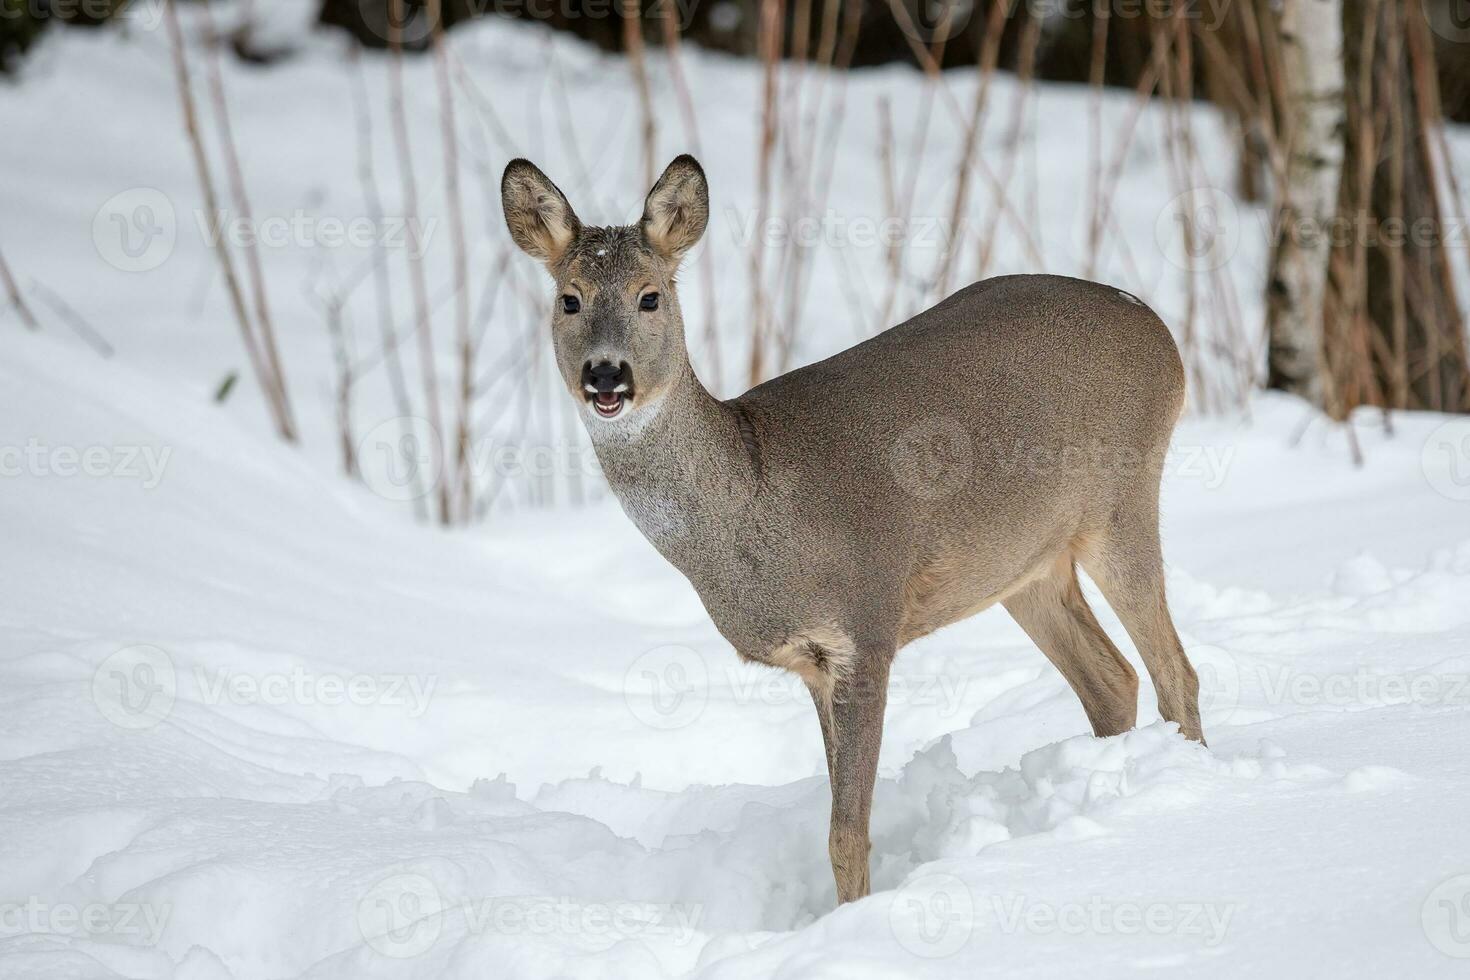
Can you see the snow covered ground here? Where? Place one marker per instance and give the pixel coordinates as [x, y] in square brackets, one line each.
[258, 723]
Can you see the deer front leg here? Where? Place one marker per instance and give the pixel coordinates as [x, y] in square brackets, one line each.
[851, 715]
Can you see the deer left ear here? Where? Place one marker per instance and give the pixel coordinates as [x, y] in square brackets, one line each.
[677, 209]
[540, 220]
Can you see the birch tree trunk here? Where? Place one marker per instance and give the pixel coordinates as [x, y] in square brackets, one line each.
[1311, 40]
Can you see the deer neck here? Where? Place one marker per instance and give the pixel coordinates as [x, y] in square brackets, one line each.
[683, 466]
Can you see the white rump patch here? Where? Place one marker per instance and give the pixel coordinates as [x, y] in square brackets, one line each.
[820, 656]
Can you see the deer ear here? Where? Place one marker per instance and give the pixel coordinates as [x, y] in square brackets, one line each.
[540, 220]
[677, 209]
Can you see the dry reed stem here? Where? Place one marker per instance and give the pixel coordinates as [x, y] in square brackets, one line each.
[1142, 92]
[633, 45]
[1030, 39]
[985, 65]
[462, 479]
[382, 278]
[68, 314]
[1399, 365]
[1447, 331]
[893, 257]
[929, 60]
[690, 118]
[771, 17]
[236, 180]
[811, 162]
[280, 418]
[333, 304]
[1351, 295]
[1095, 78]
[1178, 106]
[422, 317]
[482, 105]
[12, 292]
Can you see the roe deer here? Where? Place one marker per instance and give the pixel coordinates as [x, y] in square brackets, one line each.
[974, 454]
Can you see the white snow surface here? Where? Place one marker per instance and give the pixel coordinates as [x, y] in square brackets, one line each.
[259, 723]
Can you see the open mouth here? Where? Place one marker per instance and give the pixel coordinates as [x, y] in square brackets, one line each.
[608, 387]
[609, 404]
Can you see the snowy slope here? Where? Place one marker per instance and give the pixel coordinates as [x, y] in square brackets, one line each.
[280, 829]
[257, 723]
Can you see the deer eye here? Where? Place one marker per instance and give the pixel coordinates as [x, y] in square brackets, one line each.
[648, 302]
[570, 304]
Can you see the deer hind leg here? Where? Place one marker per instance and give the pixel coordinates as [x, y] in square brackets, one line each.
[851, 715]
[1054, 614]
[1128, 566]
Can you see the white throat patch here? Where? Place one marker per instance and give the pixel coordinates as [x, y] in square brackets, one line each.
[630, 424]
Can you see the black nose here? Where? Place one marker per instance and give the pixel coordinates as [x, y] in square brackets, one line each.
[605, 376]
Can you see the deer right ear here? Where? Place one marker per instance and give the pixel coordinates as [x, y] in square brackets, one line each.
[540, 220]
[677, 209]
